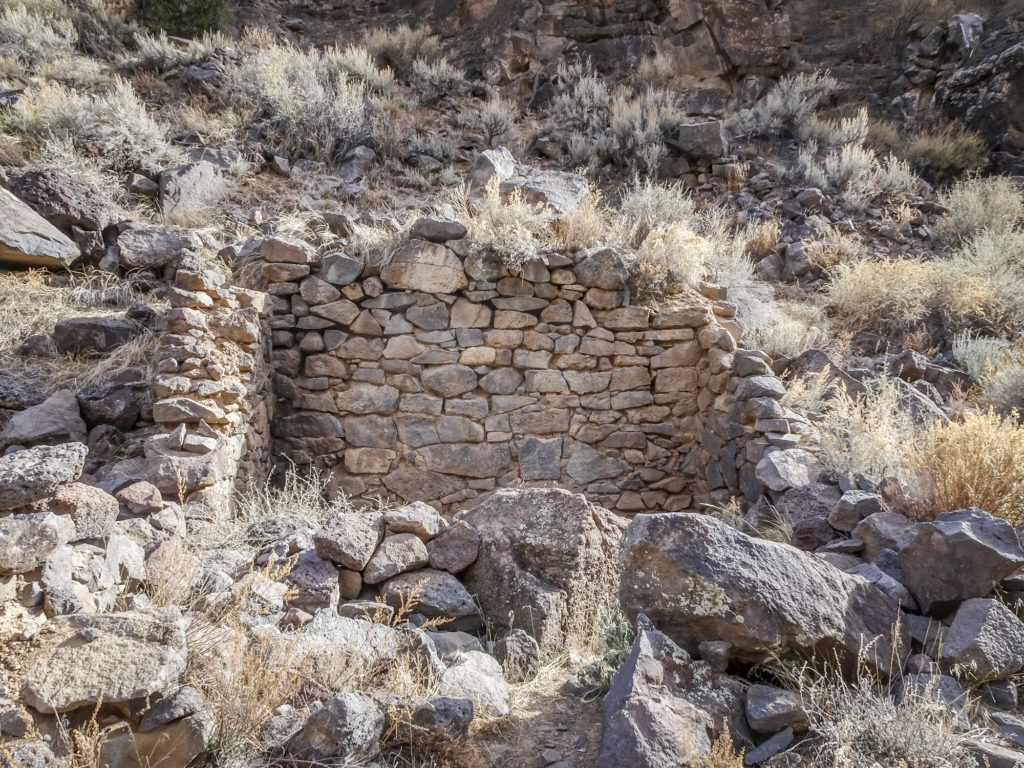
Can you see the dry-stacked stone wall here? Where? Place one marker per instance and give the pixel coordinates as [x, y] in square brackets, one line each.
[444, 377]
[212, 394]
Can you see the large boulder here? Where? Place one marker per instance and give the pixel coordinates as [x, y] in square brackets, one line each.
[699, 579]
[547, 558]
[55, 420]
[29, 240]
[27, 540]
[117, 658]
[346, 730]
[663, 709]
[188, 188]
[556, 191]
[425, 266]
[92, 336]
[66, 201]
[985, 640]
[152, 247]
[957, 556]
[478, 677]
[350, 539]
[35, 473]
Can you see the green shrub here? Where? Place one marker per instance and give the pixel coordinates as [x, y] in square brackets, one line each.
[183, 18]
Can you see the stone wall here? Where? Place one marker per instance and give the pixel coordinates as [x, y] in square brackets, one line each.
[211, 390]
[445, 377]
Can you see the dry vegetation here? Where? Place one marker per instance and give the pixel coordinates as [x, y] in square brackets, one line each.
[31, 303]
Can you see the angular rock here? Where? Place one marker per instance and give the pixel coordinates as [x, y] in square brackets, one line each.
[190, 187]
[418, 518]
[881, 531]
[92, 336]
[396, 554]
[477, 676]
[664, 709]
[790, 468]
[27, 540]
[29, 240]
[349, 540]
[425, 266]
[345, 731]
[957, 556]
[693, 575]
[437, 229]
[151, 247]
[426, 720]
[55, 420]
[339, 269]
[65, 201]
[118, 658]
[519, 655]
[316, 581]
[436, 595]
[92, 509]
[548, 558]
[771, 709]
[33, 474]
[985, 640]
[455, 548]
[853, 507]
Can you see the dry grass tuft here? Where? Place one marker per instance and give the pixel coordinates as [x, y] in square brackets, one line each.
[509, 226]
[974, 462]
[994, 204]
[245, 680]
[861, 725]
[874, 434]
[30, 304]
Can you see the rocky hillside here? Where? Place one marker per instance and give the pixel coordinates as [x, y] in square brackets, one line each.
[458, 383]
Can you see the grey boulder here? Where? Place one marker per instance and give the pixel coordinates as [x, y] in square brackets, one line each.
[698, 579]
[33, 474]
[548, 558]
[346, 730]
[958, 556]
[664, 709]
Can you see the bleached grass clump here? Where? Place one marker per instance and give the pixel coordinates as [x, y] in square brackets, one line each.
[861, 725]
[357, 62]
[511, 227]
[974, 461]
[401, 47]
[113, 128]
[648, 204]
[300, 493]
[873, 433]
[307, 102]
[788, 107]
[856, 172]
[671, 257]
[788, 328]
[157, 53]
[434, 81]
[979, 356]
[35, 37]
[977, 288]
[994, 204]
[29, 305]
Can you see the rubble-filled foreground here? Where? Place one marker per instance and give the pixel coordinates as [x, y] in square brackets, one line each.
[131, 623]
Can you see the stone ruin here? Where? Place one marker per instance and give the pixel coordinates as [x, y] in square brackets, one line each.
[442, 376]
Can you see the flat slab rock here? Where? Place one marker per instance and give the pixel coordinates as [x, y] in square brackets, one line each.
[117, 658]
[29, 240]
[32, 474]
